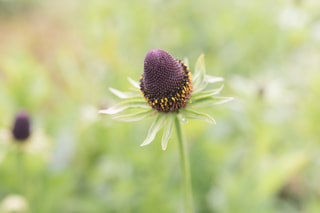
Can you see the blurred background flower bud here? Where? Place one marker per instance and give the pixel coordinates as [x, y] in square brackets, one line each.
[21, 126]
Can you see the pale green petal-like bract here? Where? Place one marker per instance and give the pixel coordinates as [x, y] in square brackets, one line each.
[134, 116]
[198, 115]
[154, 128]
[125, 105]
[124, 95]
[167, 131]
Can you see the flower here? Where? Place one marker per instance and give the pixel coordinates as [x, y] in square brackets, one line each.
[167, 91]
[21, 126]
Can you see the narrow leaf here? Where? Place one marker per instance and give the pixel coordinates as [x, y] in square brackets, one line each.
[198, 115]
[124, 95]
[199, 82]
[134, 83]
[199, 68]
[209, 101]
[167, 132]
[212, 79]
[134, 116]
[186, 61]
[125, 105]
[208, 93]
[154, 128]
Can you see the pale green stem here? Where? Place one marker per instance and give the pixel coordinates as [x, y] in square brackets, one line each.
[20, 170]
[185, 167]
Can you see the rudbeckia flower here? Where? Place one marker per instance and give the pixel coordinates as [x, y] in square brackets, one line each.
[168, 92]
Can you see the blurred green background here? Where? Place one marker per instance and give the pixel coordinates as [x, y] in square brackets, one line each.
[58, 59]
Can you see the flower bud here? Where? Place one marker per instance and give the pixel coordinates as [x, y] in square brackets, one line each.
[21, 126]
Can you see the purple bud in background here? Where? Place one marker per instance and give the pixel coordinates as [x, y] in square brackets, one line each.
[21, 126]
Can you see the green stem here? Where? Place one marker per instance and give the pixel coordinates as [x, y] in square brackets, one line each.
[20, 170]
[184, 158]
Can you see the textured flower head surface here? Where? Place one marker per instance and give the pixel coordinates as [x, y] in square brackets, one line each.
[167, 91]
[165, 82]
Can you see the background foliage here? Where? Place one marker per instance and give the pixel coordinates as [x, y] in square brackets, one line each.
[58, 59]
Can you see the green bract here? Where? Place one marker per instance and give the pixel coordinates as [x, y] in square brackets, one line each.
[200, 97]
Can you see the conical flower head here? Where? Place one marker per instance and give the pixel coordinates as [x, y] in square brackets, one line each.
[165, 82]
[21, 126]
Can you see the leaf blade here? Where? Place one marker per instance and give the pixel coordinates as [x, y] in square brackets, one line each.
[199, 82]
[199, 116]
[134, 116]
[154, 129]
[167, 132]
[134, 83]
[124, 95]
[209, 101]
[213, 79]
[125, 105]
[208, 93]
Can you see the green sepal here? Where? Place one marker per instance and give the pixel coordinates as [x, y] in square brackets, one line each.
[124, 95]
[167, 131]
[209, 101]
[208, 93]
[134, 83]
[125, 105]
[154, 128]
[188, 113]
[199, 82]
[133, 116]
[212, 79]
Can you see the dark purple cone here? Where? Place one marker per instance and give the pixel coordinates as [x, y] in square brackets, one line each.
[162, 73]
[165, 82]
[21, 126]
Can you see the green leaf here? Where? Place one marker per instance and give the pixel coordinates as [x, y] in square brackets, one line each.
[134, 83]
[199, 74]
[167, 131]
[154, 128]
[124, 95]
[125, 105]
[208, 93]
[198, 115]
[209, 101]
[134, 116]
[213, 79]
[186, 61]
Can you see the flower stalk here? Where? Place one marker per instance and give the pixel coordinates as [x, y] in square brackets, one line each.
[185, 167]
